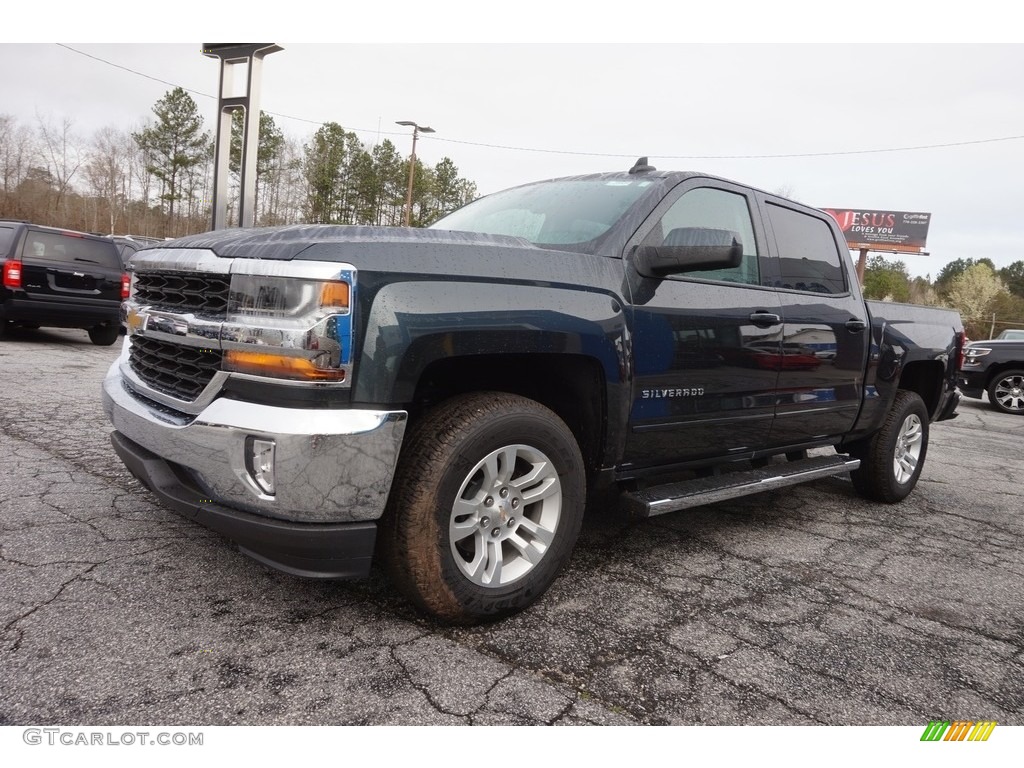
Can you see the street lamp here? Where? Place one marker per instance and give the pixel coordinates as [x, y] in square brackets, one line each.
[412, 164]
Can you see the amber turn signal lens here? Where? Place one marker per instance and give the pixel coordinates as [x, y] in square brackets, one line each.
[264, 364]
[334, 295]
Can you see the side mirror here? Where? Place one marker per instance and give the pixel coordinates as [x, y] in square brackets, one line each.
[689, 249]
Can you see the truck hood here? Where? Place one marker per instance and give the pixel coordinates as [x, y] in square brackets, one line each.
[286, 243]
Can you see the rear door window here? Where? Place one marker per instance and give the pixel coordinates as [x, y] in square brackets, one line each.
[809, 259]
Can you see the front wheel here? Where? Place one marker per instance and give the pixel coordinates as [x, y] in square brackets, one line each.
[485, 507]
[891, 460]
[1006, 392]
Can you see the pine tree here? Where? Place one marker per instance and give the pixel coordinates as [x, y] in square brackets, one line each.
[174, 144]
[391, 180]
[886, 280]
[324, 170]
[1013, 277]
[268, 151]
[450, 190]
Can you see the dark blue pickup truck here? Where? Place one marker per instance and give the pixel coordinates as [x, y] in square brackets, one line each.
[446, 398]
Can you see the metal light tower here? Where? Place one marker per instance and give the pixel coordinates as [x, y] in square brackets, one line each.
[412, 164]
[230, 54]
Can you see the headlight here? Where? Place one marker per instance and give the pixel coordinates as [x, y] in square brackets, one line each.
[291, 328]
[972, 354]
[285, 298]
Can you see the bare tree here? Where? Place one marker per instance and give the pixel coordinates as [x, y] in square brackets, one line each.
[140, 174]
[16, 155]
[288, 192]
[63, 158]
[106, 171]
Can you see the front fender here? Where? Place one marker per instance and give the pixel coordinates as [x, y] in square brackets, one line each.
[413, 324]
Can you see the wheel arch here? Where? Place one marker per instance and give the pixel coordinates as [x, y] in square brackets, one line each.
[999, 369]
[573, 386]
[925, 377]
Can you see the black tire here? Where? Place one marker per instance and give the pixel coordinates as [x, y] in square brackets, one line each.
[891, 460]
[1006, 392]
[104, 335]
[469, 451]
[3, 328]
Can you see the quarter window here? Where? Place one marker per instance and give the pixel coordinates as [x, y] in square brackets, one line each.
[6, 239]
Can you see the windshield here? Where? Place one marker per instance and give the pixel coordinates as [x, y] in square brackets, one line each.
[1011, 335]
[570, 212]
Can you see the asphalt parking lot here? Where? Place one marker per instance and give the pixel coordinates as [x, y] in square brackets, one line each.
[802, 606]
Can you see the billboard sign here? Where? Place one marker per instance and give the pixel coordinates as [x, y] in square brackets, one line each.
[882, 230]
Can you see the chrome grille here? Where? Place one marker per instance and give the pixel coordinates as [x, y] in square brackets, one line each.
[193, 291]
[181, 372]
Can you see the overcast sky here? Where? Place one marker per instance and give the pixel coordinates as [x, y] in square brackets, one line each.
[808, 120]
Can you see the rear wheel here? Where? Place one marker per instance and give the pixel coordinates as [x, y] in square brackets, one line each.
[892, 458]
[485, 508]
[104, 335]
[1006, 392]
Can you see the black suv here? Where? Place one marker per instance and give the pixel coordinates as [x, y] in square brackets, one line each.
[127, 245]
[995, 366]
[53, 277]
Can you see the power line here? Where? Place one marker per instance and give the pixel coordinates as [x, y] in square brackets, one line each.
[508, 147]
[734, 157]
[208, 95]
[133, 71]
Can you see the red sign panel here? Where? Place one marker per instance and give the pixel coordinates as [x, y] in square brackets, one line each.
[884, 230]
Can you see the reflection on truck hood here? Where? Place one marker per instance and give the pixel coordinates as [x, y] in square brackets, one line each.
[285, 243]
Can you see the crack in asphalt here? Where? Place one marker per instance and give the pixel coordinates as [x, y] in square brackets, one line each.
[564, 712]
[424, 690]
[486, 694]
[1014, 641]
[28, 436]
[12, 624]
[752, 687]
[93, 565]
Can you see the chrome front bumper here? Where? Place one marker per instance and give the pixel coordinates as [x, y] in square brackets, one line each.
[331, 466]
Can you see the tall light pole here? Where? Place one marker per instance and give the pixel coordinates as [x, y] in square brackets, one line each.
[412, 164]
